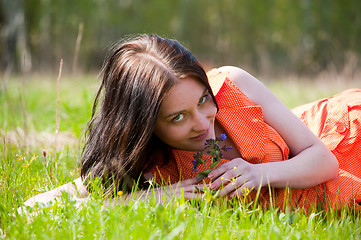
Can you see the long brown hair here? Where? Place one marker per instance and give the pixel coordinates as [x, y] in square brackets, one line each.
[137, 74]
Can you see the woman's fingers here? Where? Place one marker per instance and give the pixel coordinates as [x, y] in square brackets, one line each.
[237, 188]
[224, 168]
[227, 177]
[188, 186]
[190, 181]
[193, 188]
[233, 184]
[182, 184]
[245, 189]
[190, 196]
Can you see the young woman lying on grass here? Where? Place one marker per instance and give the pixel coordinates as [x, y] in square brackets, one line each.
[156, 106]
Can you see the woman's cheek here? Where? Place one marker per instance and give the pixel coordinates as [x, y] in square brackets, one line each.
[178, 132]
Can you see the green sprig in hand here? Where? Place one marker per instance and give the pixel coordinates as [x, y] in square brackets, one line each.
[215, 151]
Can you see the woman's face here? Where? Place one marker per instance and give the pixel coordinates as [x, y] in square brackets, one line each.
[186, 117]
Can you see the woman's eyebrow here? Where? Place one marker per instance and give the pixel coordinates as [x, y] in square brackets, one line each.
[181, 111]
[174, 114]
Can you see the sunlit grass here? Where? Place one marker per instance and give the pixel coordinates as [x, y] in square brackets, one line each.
[28, 108]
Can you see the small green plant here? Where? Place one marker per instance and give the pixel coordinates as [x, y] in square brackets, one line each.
[207, 218]
[213, 149]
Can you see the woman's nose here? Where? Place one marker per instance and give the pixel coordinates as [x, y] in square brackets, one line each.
[201, 122]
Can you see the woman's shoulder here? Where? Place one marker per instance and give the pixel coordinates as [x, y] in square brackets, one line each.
[246, 83]
[236, 75]
[233, 70]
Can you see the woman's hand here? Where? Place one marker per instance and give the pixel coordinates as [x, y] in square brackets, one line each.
[310, 161]
[79, 192]
[236, 176]
[165, 193]
[75, 188]
[189, 187]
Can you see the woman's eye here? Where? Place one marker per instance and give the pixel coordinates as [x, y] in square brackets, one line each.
[203, 99]
[178, 118]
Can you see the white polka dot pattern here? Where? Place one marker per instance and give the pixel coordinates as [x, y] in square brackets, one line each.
[336, 120]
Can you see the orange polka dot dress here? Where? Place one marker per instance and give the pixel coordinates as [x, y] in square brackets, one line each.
[336, 120]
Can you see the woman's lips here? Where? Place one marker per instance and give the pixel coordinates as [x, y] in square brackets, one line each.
[202, 136]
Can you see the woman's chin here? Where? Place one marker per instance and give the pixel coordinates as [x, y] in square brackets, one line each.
[194, 148]
[199, 148]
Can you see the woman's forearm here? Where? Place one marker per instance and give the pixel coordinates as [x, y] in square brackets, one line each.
[163, 194]
[75, 188]
[311, 167]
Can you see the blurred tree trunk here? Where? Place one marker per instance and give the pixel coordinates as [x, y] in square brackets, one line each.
[14, 45]
[45, 30]
[271, 36]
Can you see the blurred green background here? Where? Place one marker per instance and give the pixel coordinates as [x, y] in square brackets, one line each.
[272, 37]
[308, 49]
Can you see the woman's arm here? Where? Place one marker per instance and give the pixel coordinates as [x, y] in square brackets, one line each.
[164, 193]
[75, 188]
[311, 162]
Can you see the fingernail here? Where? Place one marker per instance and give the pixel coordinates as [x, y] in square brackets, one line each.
[210, 175]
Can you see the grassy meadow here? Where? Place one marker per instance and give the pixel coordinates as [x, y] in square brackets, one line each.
[34, 159]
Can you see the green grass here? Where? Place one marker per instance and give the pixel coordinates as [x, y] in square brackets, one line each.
[27, 114]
